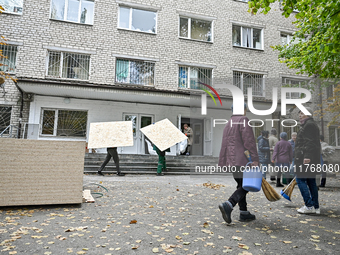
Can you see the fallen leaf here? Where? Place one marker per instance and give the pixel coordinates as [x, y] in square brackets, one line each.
[155, 250]
[236, 238]
[243, 246]
[315, 236]
[186, 243]
[205, 225]
[287, 241]
[133, 222]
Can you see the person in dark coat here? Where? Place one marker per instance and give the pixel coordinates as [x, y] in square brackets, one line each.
[264, 151]
[236, 139]
[111, 153]
[282, 156]
[307, 158]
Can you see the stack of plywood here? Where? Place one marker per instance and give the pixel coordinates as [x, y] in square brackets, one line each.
[38, 172]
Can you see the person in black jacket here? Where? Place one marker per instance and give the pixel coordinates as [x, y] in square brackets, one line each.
[307, 159]
[264, 151]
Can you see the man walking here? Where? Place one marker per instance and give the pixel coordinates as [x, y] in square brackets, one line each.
[238, 136]
[307, 156]
[111, 153]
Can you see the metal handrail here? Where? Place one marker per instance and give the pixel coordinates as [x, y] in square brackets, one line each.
[10, 127]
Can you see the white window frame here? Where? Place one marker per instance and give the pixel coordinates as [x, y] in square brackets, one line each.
[135, 60]
[241, 35]
[61, 64]
[55, 127]
[189, 73]
[79, 12]
[15, 13]
[16, 57]
[336, 136]
[130, 19]
[284, 82]
[252, 73]
[189, 28]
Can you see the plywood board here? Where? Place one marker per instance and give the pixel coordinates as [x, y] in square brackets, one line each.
[41, 172]
[110, 134]
[163, 134]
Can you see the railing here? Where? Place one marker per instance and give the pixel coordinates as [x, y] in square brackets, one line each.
[10, 133]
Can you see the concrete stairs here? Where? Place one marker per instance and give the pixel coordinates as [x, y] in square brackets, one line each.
[147, 164]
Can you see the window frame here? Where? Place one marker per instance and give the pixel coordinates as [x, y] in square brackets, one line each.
[293, 79]
[189, 74]
[79, 13]
[130, 19]
[12, 72]
[189, 28]
[336, 136]
[252, 36]
[242, 82]
[61, 65]
[129, 71]
[15, 13]
[55, 128]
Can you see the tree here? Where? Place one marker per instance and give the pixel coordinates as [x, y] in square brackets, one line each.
[319, 55]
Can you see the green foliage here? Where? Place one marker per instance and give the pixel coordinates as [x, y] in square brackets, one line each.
[319, 22]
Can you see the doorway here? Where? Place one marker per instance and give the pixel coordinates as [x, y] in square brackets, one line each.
[139, 120]
[197, 127]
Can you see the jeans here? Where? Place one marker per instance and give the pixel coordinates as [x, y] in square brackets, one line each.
[309, 191]
[239, 196]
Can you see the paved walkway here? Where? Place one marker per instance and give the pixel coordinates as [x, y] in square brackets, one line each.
[171, 215]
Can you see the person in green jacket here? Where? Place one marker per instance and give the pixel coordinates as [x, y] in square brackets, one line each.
[161, 160]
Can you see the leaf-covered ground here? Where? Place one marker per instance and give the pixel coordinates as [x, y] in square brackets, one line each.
[171, 215]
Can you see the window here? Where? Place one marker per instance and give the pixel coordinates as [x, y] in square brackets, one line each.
[290, 130]
[247, 37]
[5, 118]
[191, 77]
[63, 123]
[246, 80]
[8, 62]
[137, 20]
[68, 65]
[288, 39]
[135, 72]
[257, 129]
[334, 136]
[13, 6]
[195, 29]
[330, 92]
[288, 82]
[79, 11]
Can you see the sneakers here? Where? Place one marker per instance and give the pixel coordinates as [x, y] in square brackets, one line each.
[247, 216]
[226, 210]
[120, 174]
[160, 174]
[317, 211]
[100, 173]
[187, 154]
[307, 210]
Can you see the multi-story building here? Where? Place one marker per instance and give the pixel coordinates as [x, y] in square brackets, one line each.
[83, 61]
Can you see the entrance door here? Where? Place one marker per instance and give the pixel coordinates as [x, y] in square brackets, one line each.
[138, 121]
[197, 141]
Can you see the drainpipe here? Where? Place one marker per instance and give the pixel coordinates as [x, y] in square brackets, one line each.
[321, 110]
[21, 108]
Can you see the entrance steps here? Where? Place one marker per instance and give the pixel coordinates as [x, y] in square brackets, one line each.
[147, 164]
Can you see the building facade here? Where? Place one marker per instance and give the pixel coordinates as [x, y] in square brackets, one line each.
[78, 62]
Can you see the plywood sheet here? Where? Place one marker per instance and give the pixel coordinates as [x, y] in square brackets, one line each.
[110, 134]
[41, 172]
[163, 134]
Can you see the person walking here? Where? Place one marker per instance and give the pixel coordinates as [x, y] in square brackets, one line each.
[272, 142]
[236, 139]
[111, 153]
[189, 133]
[282, 156]
[307, 155]
[323, 161]
[161, 160]
[291, 169]
[264, 151]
